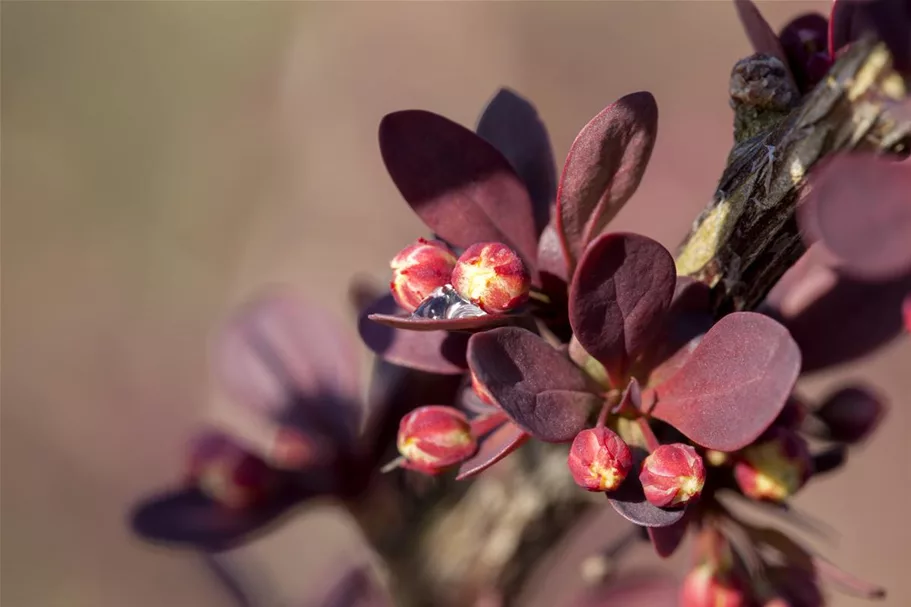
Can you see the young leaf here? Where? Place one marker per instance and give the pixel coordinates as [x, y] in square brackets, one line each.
[537, 386]
[463, 189]
[734, 384]
[512, 125]
[603, 169]
[618, 298]
[432, 351]
[500, 443]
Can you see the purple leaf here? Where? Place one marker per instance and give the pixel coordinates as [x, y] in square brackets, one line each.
[463, 189]
[666, 540]
[500, 443]
[860, 210]
[734, 384]
[603, 169]
[536, 385]
[618, 298]
[852, 413]
[890, 20]
[552, 259]
[187, 517]
[762, 38]
[471, 323]
[629, 500]
[512, 125]
[432, 351]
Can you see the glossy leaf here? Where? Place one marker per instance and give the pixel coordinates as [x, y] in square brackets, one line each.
[762, 38]
[605, 164]
[432, 351]
[734, 384]
[666, 540]
[472, 323]
[187, 517]
[536, 385]
[619, 296]
[859, 208]
[512, 125]
[500, 443]
[629, 501]
[463, 189]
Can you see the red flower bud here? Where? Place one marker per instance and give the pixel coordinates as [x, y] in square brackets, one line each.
[672, 475]
[433, 438]
[851, 414]
[774, 468]
[419, 269]
[491, 276]
[227, 473]
[704, 586]
[599, 460]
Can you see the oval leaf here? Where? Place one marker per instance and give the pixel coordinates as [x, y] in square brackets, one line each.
[463, 189]
[536, 385]
[859, 208]
[629, 500]
[501, 442]
[603, 169]
[512, 125]
[734, 385]
[619, 295]
[187, 517]
[432, 351]
[472, 323]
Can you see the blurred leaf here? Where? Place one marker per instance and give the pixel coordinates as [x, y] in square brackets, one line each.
[619, 295]
[512, 125]
[890, 20]
[500, 443]
[852, 413]
[666, 540]
[432, 351]
[536, 385]
[734, 384]
[603, 169]
[762, 38]
[463, 189]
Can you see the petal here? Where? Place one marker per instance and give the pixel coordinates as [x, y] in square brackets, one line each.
[432, 351]
[734, 384]
[619, 296]
[500, 443]
[535, 384]
[512, 125]
[603, 169]
[463, 189]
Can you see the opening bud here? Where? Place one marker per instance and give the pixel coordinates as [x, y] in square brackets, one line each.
[705, 586]
[774, 468]
[599, 460]
[227, 473]
[419, 269]
[492, 276]
[672, 475]
[433, 438]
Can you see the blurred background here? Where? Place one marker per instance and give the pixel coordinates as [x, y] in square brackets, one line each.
[162, 160]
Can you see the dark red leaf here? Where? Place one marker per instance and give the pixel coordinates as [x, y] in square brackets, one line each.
[536, 385]
[512, 125]
[629, 501]
[762, 38]
[852, 413]
[500, 443]
[666, 540]
[805, 42]
[552, 259]
[603, 169]
[187, 517]
[472, 323]
[457, 183]
[432, 351]
[860, 210]
[829, 460]
[619, 296]
[734, 384]
[890, 20]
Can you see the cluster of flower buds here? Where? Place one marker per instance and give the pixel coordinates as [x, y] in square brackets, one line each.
[774, 468]
[434, 438]
[227, 473]
[490, 275]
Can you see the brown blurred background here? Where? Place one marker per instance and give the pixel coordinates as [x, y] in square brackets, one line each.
[160, 160]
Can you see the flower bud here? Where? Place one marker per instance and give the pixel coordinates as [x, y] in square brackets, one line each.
[599, 460]
[851, 414]
[419, 269]
[491, 276]
[672, 475]
[704, 586]
[227, 473]
[433, 438]
[774, 468]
